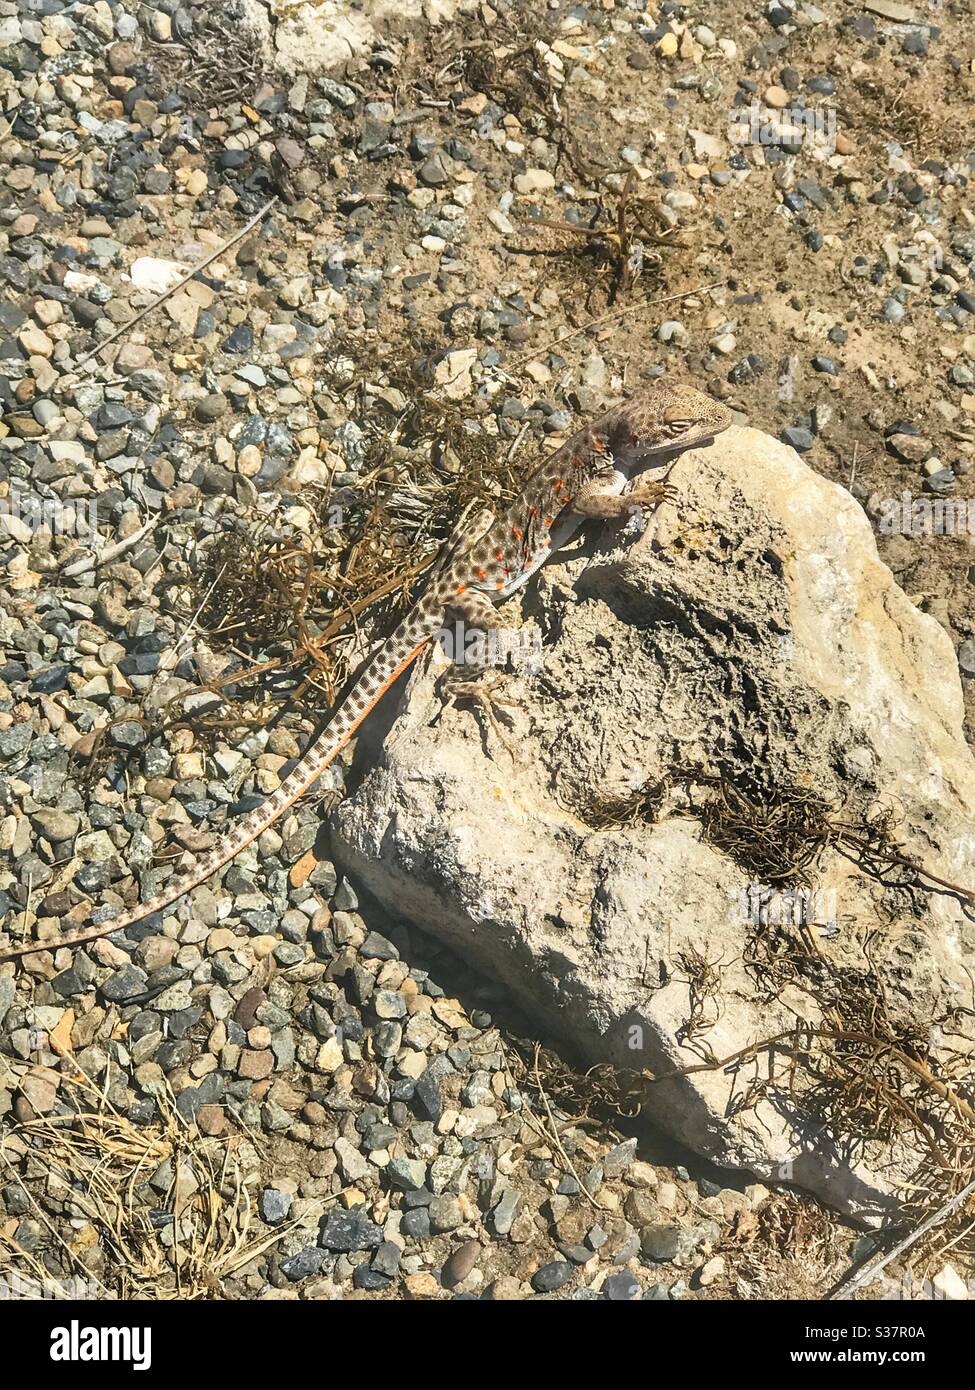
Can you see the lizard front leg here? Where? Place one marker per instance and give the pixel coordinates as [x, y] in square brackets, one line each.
[604, 498]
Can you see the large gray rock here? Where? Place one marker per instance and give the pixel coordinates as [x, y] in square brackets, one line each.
[751, 632]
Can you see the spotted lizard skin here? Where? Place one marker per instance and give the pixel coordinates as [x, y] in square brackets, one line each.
[589, 476]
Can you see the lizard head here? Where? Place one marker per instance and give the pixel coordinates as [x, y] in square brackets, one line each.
[670, 417]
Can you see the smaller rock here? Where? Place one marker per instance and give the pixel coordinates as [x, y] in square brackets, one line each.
[407, 1174]
[460, 1263]
[799, 438]
[274, 1205]
[453, 373]
[948, 1284]
[621, 1288]
[551, 1276]
[534, 181]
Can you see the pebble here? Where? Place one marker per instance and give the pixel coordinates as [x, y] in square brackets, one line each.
[948, 1284]
[966, 657]
[349, 1230]
[460, 1263]
[274, 1205]
[446, 1213]
[673, 331]
[56, 825]
[211, 407]
[621, 1288]
[534, 181]
[711, 1272]
[661, 1242]
[912, 448]
[551, 1276]
[798, 438]
[408, 1174]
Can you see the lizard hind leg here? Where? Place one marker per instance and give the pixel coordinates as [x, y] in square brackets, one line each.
[480, 646]
[480, 642]
[474, 638]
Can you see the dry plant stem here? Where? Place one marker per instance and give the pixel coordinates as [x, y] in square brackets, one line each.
[808, 840]
[555, 1132]
[538, 1127]
[161, 299]
[618, 236]
[111, 552]
[195, 616]
[964, 1110]
[870, 1270]
[849, 838]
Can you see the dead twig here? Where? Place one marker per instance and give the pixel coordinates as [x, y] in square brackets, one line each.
[873, 1267]
[185, 279]
[111, 552]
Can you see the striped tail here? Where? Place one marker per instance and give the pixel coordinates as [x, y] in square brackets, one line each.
[398, 652]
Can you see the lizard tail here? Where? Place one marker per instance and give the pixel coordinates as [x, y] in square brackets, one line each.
[399, 652]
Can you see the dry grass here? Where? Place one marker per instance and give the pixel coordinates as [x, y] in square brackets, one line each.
[179, 1243]
[219, 64]
[611, 251]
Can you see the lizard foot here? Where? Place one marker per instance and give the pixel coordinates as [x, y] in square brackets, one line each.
[647, 492]
[484, 691]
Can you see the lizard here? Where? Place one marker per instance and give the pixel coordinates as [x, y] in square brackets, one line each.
[595, 475]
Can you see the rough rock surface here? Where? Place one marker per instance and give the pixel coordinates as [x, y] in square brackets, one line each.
[325, 35]
[751, 631]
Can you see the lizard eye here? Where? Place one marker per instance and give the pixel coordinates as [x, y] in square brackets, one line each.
[677, 426]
